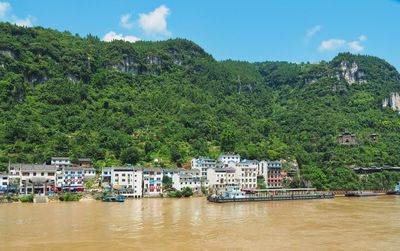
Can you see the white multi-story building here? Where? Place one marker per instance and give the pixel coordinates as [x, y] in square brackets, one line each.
[228, 159]
[220, 178]
[152, 182]
[33, 179]
[246, 174]
[126, 180]
[105, 175]
[3, 182]
[171, 172]
[73, 178]
[61, 161]
[89, 173]
[202, 164]
[189, 178]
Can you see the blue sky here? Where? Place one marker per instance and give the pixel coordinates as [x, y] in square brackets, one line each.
[257, 30]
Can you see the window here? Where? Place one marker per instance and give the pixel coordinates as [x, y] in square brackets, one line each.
[41, 174]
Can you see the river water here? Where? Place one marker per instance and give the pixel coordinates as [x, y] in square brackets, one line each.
[193, 224]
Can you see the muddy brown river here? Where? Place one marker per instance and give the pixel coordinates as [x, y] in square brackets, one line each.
[371, 223]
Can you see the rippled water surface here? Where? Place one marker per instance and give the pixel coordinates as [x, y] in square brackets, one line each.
[193, 224]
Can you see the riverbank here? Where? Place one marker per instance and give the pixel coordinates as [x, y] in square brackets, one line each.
[195, 224]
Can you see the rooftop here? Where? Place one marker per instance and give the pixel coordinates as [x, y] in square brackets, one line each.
[152, 169]
[59, 158]
[34, 167]
[225, 170]
[120, 168]
[84, 159]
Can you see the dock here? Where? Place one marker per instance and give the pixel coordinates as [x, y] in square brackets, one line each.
[273, 195]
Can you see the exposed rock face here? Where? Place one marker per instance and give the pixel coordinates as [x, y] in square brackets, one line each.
[34, 79]
[7, 53]
[393, 101]
[126, 65]
[72, 78]
[177, 61]
[350, 73]
[154, 59]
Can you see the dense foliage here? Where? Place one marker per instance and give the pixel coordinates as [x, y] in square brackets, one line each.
[26, 198]
[69, 197]
[121, 103]
[186, 192]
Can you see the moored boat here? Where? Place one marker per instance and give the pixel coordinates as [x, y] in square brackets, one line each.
[360, 194]
[232, 195]
[113, 199]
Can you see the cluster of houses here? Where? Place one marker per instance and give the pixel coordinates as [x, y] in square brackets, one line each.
[214, 175]
[60, 175]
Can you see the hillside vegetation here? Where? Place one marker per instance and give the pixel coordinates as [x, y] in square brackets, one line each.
[120, 102]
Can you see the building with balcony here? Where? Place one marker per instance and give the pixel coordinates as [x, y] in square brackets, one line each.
[228, 158]
[152, 182]
[61, 161]
[246, 174]
[4, 183]
[73, 179]
[33, 178]
[188, 178]
[274, 176]
[202, 164]
[220, 178]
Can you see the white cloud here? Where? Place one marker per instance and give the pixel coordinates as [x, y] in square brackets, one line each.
[27, 22]
[362, 38]
[331, 45]
[355, 46]
[4, 9]
[155, 22]
[338, 44]
[312, 31]
[125, 21]
[110, 36]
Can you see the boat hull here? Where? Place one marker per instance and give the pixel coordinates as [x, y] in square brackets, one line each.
[360, 194]
[271, 198]
[114, 199]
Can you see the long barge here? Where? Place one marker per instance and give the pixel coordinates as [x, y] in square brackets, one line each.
[233, 194]
[221, 199]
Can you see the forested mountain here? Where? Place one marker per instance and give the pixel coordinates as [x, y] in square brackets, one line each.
[121, 102]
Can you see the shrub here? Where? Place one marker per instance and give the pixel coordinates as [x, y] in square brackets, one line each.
[187, 192]
[204, 191]
[69, 197]
[26, 198]
[176, 194]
